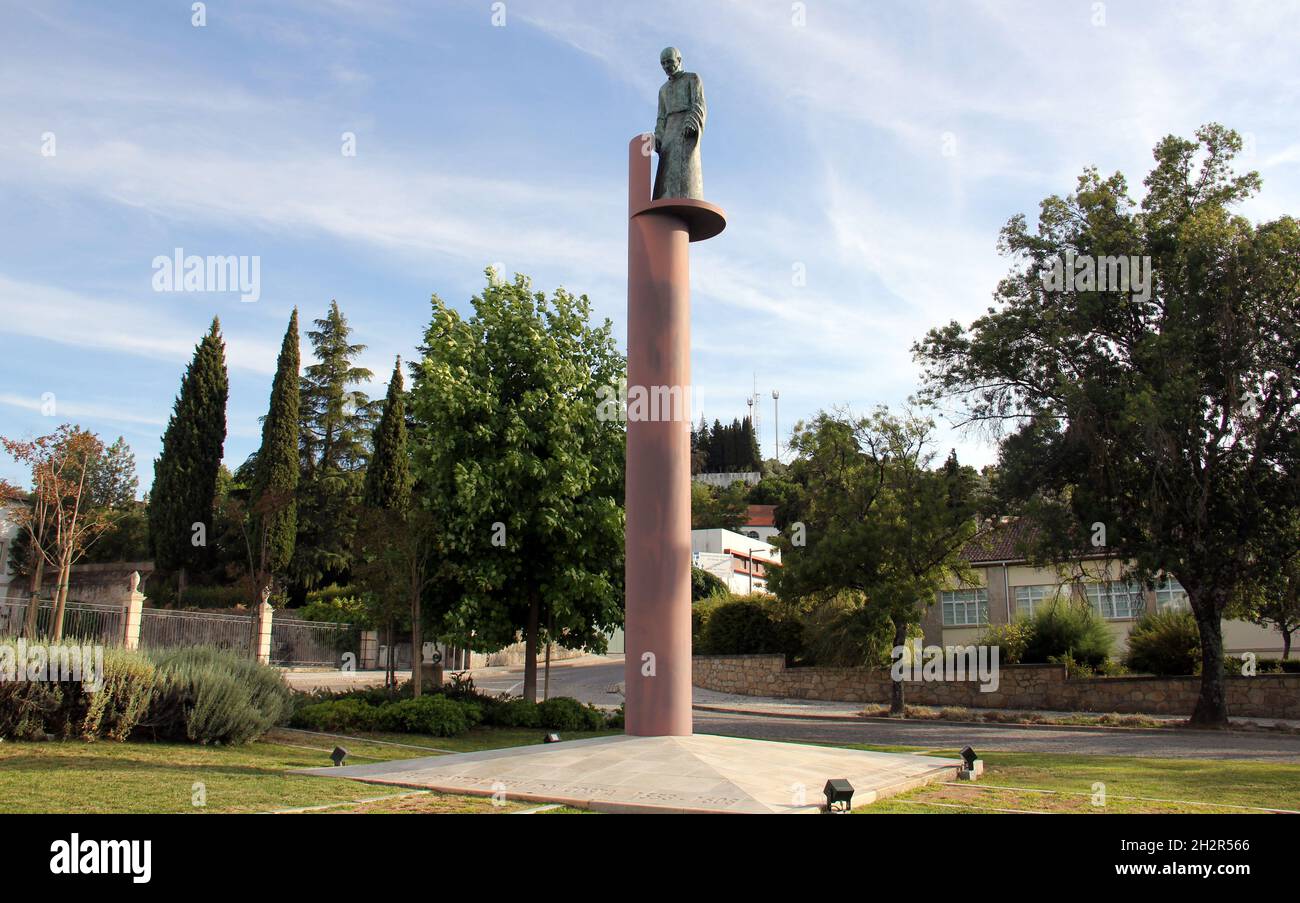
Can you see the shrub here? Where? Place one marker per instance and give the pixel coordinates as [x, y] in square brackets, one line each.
[331, 594]
[337, 716]
[1011, 639]
[845, 631]
[114, 711]
[27, 708]
[515, 713]
[750, 625]
[700, 614]
[1233, 663]
[564, 713]
[1166, 643]
[705, 585]
[210, 695]
[337, 604]
[434, 715]
[30, 710]
[1067, 629]
[618, 718]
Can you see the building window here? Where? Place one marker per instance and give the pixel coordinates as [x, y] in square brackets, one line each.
[965, 607]
[1116, 600]
[1170, 594]
[1032, 598]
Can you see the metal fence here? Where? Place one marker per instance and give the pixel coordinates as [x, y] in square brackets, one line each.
[295, 642]
[162, 628]
[89, 621]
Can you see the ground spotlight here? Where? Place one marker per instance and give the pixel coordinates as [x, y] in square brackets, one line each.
[839, 795]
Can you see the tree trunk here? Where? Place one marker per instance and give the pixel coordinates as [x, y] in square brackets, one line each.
[34, 604]
[897, 708]
[550, 632]
[182, 582]
[417, 648]
[60, 603]
[390, 681]
[1212, 705]
[530, 650]
[546, 684]
[1286, 645]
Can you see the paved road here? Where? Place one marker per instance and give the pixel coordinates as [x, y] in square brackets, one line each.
[1162, 743]
[593, 680]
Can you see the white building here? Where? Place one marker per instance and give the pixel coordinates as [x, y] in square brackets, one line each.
[761, 523]
[8, 534]
[739, 561]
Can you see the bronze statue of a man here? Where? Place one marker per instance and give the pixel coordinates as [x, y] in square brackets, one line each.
[678, 130]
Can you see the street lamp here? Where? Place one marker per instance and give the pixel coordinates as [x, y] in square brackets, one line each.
[776, 425]
[751, 568]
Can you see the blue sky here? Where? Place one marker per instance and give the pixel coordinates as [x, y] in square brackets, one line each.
[878, 146]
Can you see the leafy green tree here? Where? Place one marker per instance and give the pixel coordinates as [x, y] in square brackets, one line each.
[275, 474]
[523, 476]
[185, 473]
[1166, 412]
[335, 422]
[112, 481]
[129, 538]
[718, 508]
[111, 485]
[1275, 603]
[884, 530]
[705, 585]
[780, 490]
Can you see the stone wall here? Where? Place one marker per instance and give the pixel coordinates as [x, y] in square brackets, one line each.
[1044, 687]
[102, 584]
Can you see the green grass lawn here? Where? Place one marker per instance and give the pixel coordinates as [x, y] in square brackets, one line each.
[160, 777]
[71, 776]
[1015, 781]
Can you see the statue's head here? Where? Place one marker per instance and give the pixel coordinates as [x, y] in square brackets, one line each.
[671, 60]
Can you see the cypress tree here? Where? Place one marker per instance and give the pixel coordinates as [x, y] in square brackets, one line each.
[388, 476]
[275, 479]
[386, 529]
[717, 448]
[185, 473]
[735, 451]
[753, 458]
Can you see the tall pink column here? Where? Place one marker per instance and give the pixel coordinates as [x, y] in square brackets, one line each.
[658, 540]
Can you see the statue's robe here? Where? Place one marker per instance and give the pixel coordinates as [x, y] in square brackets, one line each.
[681, 107]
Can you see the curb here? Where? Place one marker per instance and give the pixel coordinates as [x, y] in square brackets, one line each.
[864, 719]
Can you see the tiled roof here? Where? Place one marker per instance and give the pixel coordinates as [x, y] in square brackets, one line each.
[761, 516]
[1001, 540]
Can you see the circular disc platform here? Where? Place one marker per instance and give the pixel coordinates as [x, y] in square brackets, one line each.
[703, 220]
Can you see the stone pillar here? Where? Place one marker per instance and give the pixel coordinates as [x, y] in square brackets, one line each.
[368, 654]
[657, 676]
[132, 612]
[262, 617]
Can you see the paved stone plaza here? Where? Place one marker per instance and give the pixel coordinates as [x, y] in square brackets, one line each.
[694, 774]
